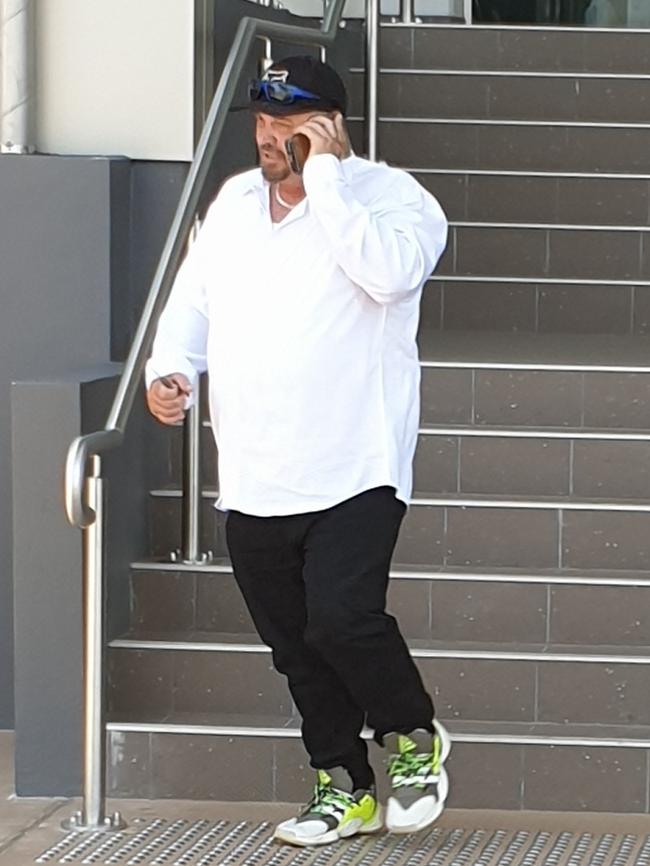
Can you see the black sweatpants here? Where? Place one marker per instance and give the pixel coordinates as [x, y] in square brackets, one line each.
[315, 585]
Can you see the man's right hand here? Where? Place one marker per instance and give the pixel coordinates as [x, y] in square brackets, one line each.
[166, 398]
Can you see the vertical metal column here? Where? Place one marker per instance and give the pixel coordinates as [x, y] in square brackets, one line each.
[467, 11]
[372, 75]
[92, 816]
[17, 95]
[408, 12]
[192, 482]
[191, 520]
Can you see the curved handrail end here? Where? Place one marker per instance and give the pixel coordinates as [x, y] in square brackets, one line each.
[78, 512]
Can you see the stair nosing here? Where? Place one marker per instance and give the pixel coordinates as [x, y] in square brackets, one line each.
[491, 121]
[508, 28]
[550, 655]
[291, 732]
[540, 366]
[475, 501]
[552, 281]
[495, 432]
[564, 227]
[491, 172]
[404, 572]
[593, 434]
[505, 73]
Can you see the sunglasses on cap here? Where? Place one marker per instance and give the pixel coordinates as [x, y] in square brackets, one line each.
[277, 91]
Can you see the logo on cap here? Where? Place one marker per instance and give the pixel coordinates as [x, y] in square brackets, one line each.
[280, 75]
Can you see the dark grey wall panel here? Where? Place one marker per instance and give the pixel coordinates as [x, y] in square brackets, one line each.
[145, 206]
[54, 301]
[47, 565]
[48, 612]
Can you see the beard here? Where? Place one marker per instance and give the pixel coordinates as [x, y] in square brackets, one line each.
[274, 171]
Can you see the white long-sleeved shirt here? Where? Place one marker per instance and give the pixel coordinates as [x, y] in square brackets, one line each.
[307, 329]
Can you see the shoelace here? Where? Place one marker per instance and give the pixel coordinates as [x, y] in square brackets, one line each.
[326, 799]
[409, 768]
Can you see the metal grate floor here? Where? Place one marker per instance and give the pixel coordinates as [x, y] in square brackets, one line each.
[159, 842]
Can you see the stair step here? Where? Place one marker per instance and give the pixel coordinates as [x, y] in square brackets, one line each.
[549, 96]
[551, 767]
[505, 351]
[528, 305]
[554, 608]
[555, 252]
[199, 672]
[471, 532]
[540, 198]
[537, 49]
[511, 145]
[468, 460]
[424, 500]
[461, 731]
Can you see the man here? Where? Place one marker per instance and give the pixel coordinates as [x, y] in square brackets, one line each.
[300, 298]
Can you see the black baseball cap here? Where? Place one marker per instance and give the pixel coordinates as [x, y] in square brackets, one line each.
[305, 73]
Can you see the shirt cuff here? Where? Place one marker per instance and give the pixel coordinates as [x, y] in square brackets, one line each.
[321, 171]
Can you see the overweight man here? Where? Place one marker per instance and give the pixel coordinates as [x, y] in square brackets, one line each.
[300, 298]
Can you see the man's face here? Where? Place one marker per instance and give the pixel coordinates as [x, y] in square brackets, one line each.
[270, 135]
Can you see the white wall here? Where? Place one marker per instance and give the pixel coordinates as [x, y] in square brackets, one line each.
[115, 77]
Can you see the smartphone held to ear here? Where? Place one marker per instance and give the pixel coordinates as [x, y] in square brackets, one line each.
[297, 148]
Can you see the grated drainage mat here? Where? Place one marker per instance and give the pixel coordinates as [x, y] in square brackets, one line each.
[158, 842]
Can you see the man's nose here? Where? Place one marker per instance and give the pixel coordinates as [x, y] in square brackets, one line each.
[268, 139]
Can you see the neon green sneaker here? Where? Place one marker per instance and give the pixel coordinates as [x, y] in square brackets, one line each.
[419, 781]
[333, 812]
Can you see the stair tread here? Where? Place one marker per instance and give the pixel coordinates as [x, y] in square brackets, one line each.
[456, 727]
[511, 431]
[423, 497]
[599, 576]
[243, 641]
[583, 350]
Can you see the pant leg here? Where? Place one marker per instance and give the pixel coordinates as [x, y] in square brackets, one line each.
[347, 559]
[268, 562]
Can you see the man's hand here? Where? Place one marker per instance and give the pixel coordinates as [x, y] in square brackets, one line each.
[326, 135]
[166, 398]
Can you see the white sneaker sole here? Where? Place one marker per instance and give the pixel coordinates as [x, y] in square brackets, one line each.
[443, 791]
[286, 832]
[394, 826]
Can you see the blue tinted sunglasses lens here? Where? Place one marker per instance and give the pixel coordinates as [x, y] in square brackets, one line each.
[276, 91]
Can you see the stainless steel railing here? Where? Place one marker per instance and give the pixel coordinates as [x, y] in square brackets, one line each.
[83, 471]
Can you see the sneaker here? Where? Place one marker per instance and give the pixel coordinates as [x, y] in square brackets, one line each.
[419, 780]
[333, 812]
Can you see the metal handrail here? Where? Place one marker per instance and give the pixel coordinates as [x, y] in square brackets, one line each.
[101, 441]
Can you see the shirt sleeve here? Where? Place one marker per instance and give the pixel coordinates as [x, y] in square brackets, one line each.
[180, 344]
[388, 247]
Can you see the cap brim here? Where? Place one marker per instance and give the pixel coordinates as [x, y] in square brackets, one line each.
[276, 109]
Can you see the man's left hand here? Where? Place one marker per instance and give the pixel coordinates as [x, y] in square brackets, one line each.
[326, 135]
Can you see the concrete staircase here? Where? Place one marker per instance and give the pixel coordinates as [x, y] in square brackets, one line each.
[522, 574]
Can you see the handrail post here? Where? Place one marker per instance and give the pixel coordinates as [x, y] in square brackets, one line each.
[467, 11]
[408, 11]
[407, 14]
[372, 75]
[92, 815]
[189, 553]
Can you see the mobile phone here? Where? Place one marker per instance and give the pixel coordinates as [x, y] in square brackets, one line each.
[297, 148]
